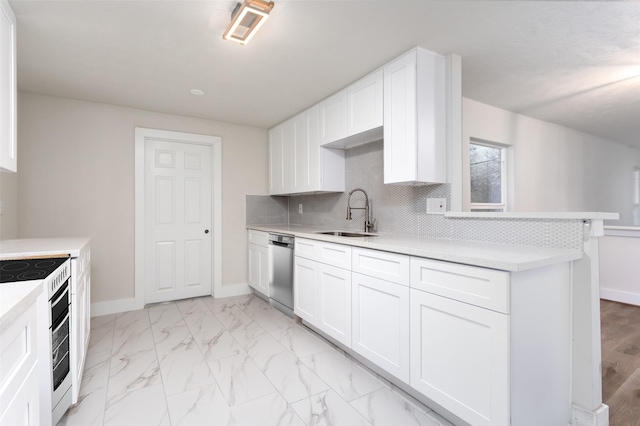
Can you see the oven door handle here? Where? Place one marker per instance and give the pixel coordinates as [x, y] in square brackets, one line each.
[65, 292]
[61, 323]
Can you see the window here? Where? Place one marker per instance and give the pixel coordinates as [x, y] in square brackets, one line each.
[488, 177]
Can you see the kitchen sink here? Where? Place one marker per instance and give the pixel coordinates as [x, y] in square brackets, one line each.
[347, 234]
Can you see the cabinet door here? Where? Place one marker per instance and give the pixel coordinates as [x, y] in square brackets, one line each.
[364, 104]
[87, 309]
[77, 336]
[8, 140]
[305, 283]
[315, 159]
[259, 268]
[400, 125]
[460, 357]
[19, 396]
[380, 316]
[276, 184]
[288, 158]
[307, 151]
[334, 303]
[24, 406]
[333, 118]
[263, 281]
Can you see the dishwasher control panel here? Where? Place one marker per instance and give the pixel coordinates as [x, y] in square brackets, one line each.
[282, 238]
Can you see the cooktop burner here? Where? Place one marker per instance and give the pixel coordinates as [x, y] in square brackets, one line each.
[28, 269]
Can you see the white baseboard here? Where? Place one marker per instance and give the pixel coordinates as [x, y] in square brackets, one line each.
[231, 290]
[125, 305]
[620, 296]
[114, 307]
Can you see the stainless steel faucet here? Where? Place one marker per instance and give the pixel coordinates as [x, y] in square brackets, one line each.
[367, 219]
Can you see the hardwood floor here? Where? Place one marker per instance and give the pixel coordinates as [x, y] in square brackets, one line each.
[621, 362]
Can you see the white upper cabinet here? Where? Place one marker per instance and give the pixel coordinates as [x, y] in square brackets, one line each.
[353, 116]
[8, 111]
[276, 136]
[281, 158]
[297, 162]
[405, 101]
[364, 104]
[415, 119]
[333, 118]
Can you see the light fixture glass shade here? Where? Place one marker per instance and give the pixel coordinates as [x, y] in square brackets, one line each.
[246, 20]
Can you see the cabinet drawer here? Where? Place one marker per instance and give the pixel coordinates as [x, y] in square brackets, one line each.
[328, 253]
[486, 288]
[379, 264]
[333, 254]
[259, 238]
[305, 248]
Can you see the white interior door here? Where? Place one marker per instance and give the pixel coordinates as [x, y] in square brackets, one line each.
[177, 220]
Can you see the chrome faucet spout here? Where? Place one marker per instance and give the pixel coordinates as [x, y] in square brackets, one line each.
[367, 219]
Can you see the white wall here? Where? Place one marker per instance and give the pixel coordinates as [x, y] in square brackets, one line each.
[76, 178]
[555, 168]
[9, 198]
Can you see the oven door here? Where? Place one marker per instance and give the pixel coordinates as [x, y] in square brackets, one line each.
[60, 363]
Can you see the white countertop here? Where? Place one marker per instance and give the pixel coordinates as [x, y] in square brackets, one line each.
[22, 248]
[489, 255]
[15, 298]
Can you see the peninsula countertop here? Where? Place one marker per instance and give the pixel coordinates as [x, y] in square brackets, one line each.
[504, 257]
[30, 247]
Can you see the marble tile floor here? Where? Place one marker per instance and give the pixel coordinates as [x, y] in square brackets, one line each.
[234, 361]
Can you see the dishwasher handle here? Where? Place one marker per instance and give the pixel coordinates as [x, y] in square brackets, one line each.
[281, 244]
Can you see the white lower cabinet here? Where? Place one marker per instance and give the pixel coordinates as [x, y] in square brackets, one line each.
[259, 268]
[258, 258]
[322, 297]
[305, 277]
[80, 317]
[380, 323]
[491, 347]
[19, 395]
[322, 291]
[460, 357]
[334, 302]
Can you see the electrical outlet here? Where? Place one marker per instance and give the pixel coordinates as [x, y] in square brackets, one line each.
[436, 205]
[300, 208]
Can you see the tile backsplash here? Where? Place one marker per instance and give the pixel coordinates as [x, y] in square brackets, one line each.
[399, 209]
[265, 209]
[396, 209]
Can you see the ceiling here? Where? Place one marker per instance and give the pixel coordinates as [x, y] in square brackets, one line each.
[573, 63]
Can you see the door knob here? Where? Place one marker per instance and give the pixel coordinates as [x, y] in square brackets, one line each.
[206, 231]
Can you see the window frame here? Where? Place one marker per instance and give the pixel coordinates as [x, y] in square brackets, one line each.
[494, 207]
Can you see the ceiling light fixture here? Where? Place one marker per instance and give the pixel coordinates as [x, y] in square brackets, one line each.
[246, 20]
[197, 92]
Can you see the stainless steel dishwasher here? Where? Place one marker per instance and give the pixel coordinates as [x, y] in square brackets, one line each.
[281, 272]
